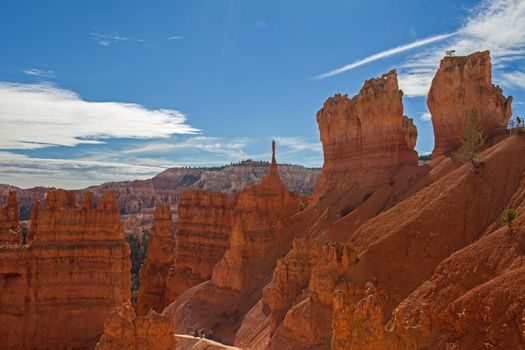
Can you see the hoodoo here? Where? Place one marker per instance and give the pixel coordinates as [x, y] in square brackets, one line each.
[462, 86]
[258, 217]
[203, 236]
[365, 138]
[154, 272]
[9, 226]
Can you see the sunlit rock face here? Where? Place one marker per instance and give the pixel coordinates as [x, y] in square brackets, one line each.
[462, 86]
[365, 138]
[58, 290]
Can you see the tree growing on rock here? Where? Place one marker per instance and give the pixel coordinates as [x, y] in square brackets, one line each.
[472, 141]
[508, 217]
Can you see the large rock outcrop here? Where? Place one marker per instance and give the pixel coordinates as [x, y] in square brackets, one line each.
[125, 330]
[365, 138]
[154, 272]
[58, 290]
[203, 236]
[463, 84]
[9, 226]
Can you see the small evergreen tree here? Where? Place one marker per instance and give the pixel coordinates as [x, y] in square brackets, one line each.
[508, 217]
[472, 141]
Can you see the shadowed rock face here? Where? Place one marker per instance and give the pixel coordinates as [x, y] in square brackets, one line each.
[154, 272]
[365, 138]
[57, 291]
[461, 85]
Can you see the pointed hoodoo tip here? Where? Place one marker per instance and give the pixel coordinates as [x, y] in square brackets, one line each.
[273, 152]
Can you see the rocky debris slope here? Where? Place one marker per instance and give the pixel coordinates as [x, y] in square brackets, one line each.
[58, 290]
[154, 272]
[463, 85]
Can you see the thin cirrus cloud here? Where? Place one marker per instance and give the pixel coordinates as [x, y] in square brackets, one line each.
[384, 54]
[59, 117]
[108, 38]
[233, 149]
[39, 73]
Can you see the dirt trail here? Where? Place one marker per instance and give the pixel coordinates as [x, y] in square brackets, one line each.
[197, 343]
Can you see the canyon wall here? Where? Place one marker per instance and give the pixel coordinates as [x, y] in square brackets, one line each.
[58, 290]
[159, 260]
[462, 86]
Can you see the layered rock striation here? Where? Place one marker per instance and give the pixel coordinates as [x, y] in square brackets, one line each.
[203, 236]
[154, 272]
[57, 290]
[462, 86]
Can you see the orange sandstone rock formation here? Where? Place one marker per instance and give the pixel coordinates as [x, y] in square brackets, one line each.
[9, 226]
[461, 85]
[125, 330]
[366, 138]
[259, 215]
[203, 234]
[154, 272]
[57, 291]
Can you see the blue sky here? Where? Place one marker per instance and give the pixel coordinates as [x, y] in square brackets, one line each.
[93, 91]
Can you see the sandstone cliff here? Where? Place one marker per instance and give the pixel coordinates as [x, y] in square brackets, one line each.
[57, 291]
[154, 272]
[463, 84]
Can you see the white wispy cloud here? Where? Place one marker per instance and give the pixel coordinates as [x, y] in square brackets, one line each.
[514, 79]
[297, 144]
[41, 115]
[233, 149]
[496, 25]
[175, 37]
[384, 54]
[108, 38]
[425, 116]
[25, 171]
[39, 73]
